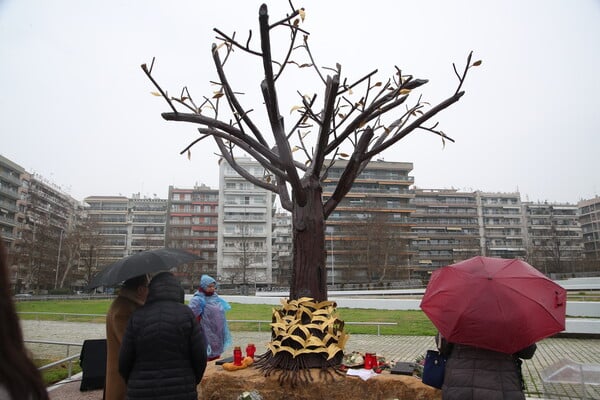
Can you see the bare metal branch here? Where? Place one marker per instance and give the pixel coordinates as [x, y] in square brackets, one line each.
[464, 74]
[286, 19]
[224, 127]
[233, 42]
[194, 142]
[439, 133]
[245, 174]
[328, 115]
[312, 60]
[270, 97]
[305, 113]
[183, 103]
[350, 173]
[275, 168]
[157, 86]
[236, 106]
[303, 146]
[358, 82]
[416, 124]
[289, 53]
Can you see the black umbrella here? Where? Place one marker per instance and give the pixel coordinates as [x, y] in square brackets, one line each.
[144, 262]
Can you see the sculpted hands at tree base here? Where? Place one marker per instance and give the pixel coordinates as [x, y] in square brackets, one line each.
[355, 120]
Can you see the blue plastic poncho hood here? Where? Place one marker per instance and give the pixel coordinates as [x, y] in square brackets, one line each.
[206, 280]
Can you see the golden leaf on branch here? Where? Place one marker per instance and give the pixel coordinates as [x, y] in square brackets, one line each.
[156, 94]
[294, 108]
[302, 14]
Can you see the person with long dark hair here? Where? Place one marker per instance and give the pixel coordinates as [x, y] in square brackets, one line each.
[132, 296]
[19, 377]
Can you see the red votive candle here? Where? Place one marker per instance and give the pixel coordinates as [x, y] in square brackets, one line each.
[237, 355]
[250, 350]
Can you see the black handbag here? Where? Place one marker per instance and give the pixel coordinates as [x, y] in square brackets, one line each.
[433, 369]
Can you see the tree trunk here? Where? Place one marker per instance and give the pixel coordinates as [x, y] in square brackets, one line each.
[309, 274]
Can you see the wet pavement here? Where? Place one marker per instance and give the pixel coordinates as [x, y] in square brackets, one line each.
[397, 348]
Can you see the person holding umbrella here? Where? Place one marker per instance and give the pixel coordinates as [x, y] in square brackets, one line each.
[132, 295]
[479, 374]
[493, 310]
[209, 310]
[163, 355]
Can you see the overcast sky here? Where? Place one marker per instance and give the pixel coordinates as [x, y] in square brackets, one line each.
[76, 108]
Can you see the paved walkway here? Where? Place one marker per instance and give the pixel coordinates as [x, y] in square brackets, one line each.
[397, 348]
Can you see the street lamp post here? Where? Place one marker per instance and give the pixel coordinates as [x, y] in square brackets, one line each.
[29, 274]
[332, 262]
[58, 258]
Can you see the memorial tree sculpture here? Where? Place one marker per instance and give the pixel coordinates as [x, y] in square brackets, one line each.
[306, 332]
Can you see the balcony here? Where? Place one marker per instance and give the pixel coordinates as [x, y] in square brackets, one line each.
[7, 191]
[8, 206]
[7, 221]
[11, 178]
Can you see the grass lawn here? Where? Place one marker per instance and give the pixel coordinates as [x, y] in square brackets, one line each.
[409, 323]
[57, 373]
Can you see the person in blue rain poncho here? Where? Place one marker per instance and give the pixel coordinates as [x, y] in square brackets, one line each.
[209, 310]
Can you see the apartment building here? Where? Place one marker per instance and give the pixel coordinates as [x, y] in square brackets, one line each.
[589, 219]
[446, 226]
[46, 215]
[502, 228]
[554, 236]
[110, 215]
[125, 226]
[369, 233]
[245, 219]
[148, 217]
[10, 196]
[282, 248]
[192, 222]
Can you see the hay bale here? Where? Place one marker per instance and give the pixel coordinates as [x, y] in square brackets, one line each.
[219, 384]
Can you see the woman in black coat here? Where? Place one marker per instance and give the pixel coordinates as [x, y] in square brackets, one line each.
[163, 355]
[478, 374]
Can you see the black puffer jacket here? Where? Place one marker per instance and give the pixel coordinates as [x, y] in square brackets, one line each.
[479, 374]
[163, 355]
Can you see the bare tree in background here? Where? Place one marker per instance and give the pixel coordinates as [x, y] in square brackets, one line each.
[243, 245]
[76, 244]
[380, 247]
[354, 119]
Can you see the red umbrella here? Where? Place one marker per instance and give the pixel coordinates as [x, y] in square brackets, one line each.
[494, 303]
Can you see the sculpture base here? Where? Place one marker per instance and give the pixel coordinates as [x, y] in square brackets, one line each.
[219, 384]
